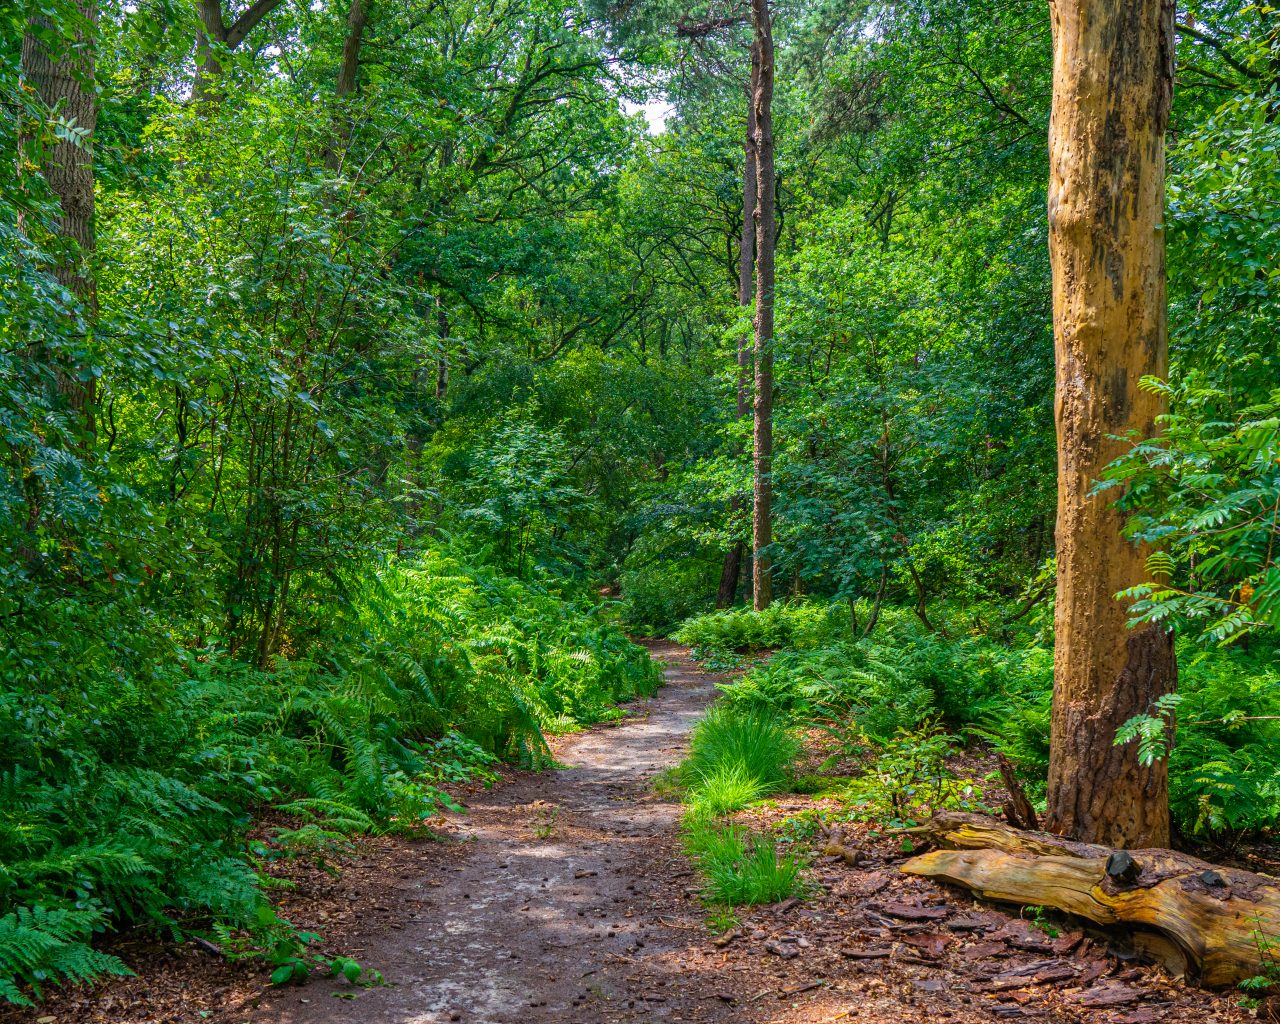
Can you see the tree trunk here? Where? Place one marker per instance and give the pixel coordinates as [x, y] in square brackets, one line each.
[1112, 86]
[762, 435]
[348, 73]
[442, 357]
[64, 81]
[732, 567]
[213, 32]
[1195, 918]
[729, 574]
[747, 241]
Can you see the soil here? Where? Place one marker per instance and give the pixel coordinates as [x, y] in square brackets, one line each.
[564, 897]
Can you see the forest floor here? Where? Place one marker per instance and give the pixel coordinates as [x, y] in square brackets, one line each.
[564, 896]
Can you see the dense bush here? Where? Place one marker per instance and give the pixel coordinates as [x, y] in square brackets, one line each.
[800, 625]
[132, 768]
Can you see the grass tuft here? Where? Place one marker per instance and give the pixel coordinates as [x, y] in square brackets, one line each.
[734, 752]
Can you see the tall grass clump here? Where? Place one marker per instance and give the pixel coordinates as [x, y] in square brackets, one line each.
[737, 867]
[737, 756]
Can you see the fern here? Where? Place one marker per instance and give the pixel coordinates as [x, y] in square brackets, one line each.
[39, 946]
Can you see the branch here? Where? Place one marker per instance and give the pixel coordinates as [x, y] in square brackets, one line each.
[1220, 46]
[244, 24]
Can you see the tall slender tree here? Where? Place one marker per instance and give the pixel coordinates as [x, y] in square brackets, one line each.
[1112, 88]
[733, 558]
[762, 434]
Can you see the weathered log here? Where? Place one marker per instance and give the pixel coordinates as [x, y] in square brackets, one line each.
[1203, 921]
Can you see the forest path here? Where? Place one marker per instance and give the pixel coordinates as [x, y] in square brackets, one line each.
[549, 909]
[565, 897]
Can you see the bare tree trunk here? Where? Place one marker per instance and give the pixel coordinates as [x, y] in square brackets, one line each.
[746, 267]
[1113, 83]
[729, 574]
[747, 242]
[348, 73]
[64, 81]
[762, 435]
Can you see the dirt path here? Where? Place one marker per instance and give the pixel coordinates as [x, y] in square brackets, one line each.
[569, 901]
[548, 909]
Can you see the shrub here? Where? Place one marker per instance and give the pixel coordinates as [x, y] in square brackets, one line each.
[780, 625]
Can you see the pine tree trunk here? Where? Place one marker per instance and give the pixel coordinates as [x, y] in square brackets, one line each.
[762, 435]
[1113, 80]
[732, 567]
[64, 81]
[747, 242]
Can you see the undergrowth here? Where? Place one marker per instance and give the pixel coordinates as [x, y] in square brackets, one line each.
[889, 698]
[735, 758]
[131, 774]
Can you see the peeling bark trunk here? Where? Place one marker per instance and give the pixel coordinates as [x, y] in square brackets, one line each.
[1113, 80]
[762, 435]
[64, 81]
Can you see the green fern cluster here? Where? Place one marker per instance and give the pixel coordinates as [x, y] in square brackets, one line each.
[785, 624]
[131, 767]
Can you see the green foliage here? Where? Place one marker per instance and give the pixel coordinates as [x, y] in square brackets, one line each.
[910, 778]
[1206, 495]
[742, 629]
[130, 776]
[1224, 771]
[40, 947]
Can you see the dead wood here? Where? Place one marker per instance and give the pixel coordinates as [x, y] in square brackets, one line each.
[1199, 920]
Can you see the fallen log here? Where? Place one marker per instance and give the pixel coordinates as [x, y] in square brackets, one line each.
[1208, 923]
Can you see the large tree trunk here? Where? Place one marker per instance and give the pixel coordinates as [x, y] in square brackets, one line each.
[1195, 918]
[732, 567]
[64, 80]
[762, 435]
[1112, 86]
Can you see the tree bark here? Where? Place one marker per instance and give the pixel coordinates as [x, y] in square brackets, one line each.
[762, 434]
[348, 75]
[732, 566]
[1113, 81]
[442, 357]
[1195, 918]
[747, 241]
[729, 574]
[65, 83]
